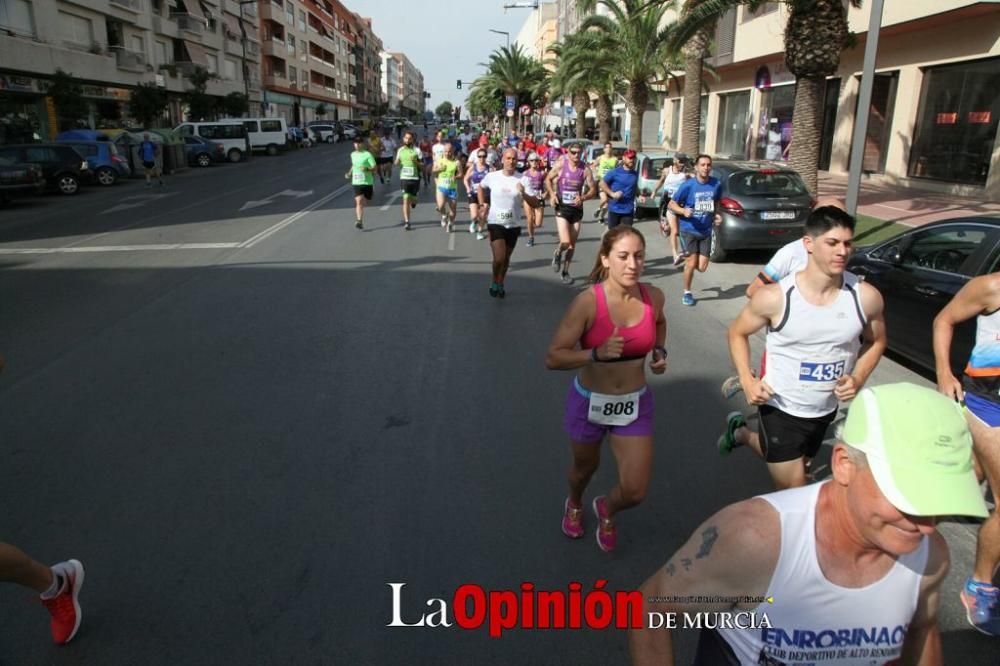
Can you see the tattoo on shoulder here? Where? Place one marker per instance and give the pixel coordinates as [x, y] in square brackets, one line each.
[708, 538]
[686, 563]
[671, 569]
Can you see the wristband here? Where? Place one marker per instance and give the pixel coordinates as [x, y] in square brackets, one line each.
[593, 355]
[661, 349]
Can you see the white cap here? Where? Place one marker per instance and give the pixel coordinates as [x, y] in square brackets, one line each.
[555, 143]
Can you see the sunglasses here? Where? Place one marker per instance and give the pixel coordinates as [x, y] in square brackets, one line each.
[574, 152]
[483, 155]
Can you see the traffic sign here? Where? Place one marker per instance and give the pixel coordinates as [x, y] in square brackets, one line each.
[511, 103]
[510, 113]
[525, 110]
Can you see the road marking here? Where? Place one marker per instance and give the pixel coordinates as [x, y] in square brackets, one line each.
[451, 240]
[284, 193]
[141, 200]
[392, 199]
[250, 242]
[118, 248]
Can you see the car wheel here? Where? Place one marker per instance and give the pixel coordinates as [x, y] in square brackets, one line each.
[272, 149]
[329, 139]
[235, 155]
[203, 159]
[68, 184]
[106, 176]
[717, 252]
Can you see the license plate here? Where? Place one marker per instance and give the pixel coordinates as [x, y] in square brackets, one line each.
[778, 215]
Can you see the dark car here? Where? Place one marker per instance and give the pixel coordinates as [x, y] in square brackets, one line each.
[64, 168]
[18, 179]
[918, 272]
[103, 158]
[763, 206]
[202, 152]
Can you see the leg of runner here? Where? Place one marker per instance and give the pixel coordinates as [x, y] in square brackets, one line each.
[441, 198]
[452, 212]
[979, 596]
[473, 214]
[586, 459]
[498, 249]
[510, 242]
[574, 234]
[529, 223]
[602, 207]
[675, 238]
[359, 211]
[635, 463]
[697, 260]
[565, 240]
[59, 587]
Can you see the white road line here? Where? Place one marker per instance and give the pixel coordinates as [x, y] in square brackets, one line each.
[250, 242]
[392, 199]
[118, 248]
[451, 241]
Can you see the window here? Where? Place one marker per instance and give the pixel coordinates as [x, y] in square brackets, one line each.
[228, 131]
[290, 15]
[230, 72]
[943, 249]
[766, 8]
[757, 183]
[39, 154]
[251, 125]
[734, 122]
[675, 123]
[702, 124]
[957, 122]
[302, 21]
[212, 63]
[15, 15]
[161, 53]
[138, 45]
[293, 76]
[270, 126]
[186, 129]
[290, 45]
[77, 29]
[774, 128]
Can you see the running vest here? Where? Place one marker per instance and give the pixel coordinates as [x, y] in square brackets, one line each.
[570, 183]
[812, 347]
[672, 182]
[536, 182]
[982, 374]
[446, 177]
[639, 339]
[477, 177]
[814, 621]
[522, 155]
[606, 164]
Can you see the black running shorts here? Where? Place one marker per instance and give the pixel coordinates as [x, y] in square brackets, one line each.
[411, 187]
[571, 214]
[366, 191]
[508, 235]
[784, 437]
[614, 219]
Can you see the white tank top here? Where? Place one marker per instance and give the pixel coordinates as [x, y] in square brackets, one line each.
[673, 181]
[812, 347]
[814, 621]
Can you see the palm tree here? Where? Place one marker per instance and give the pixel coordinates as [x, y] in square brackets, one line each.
[510, 71]
[566, 79]
[695, 50]
[583, 63]
[815, 36]
[642, 50]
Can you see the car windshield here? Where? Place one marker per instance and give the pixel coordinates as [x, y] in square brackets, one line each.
[766, 183]
[652, 167]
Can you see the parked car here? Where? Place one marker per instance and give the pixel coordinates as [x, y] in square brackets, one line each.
[202, 152]
[269, 135]
[594, 150]
[63, 167]
[18, 179]
[230, 133]
[323, 133]
[763, 206]
[299, 137]
[104, 159]
[650, 164]
[919, 271]
[350, 131]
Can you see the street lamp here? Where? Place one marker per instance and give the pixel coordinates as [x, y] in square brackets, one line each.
[501, 32]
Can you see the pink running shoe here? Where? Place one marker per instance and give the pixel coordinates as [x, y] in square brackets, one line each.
[572, 523]
[65, 606]
[606, 533]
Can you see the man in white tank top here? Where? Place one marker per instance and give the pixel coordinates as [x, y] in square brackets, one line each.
[842, 573]
[816, 321]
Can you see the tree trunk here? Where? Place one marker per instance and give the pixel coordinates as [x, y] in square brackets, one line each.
[694, 52]
[806, 130]
[581, 103]
[604, 118]
[636, 99]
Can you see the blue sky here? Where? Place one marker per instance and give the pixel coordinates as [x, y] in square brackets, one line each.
[444, 39]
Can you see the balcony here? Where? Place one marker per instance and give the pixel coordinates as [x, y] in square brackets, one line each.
[131, 5]
[269, 12]
[189, 22]
[275, 80]
[249, 10]
[273, 47]
[131, 61]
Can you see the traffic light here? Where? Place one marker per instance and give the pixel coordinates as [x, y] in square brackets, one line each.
[459, 84]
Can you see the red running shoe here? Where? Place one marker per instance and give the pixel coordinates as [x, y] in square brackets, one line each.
[65, 606]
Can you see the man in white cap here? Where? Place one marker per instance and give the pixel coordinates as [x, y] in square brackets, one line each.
[847, 571]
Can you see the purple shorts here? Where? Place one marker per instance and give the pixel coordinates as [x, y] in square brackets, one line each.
[582, 431]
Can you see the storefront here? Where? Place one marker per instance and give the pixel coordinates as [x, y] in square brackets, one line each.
[774, 122]
[23, 112]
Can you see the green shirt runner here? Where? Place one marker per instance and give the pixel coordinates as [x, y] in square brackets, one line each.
[362, 164]
[409, 160]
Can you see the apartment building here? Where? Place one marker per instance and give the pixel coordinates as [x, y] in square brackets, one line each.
[368, 70]
[402, 85]
[111, 46]
[932, 123]
[538, 31]
[308, 60]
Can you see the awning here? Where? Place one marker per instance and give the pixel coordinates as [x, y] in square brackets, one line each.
[232, 26]
[194, 7]
[198, 55]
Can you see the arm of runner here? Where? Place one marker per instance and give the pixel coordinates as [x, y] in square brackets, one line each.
[679, 194]
[550, 185]
[732, 554]
[660, 182]
[872, 348]
[563, 352]
[971, 300]
[484, 185]
[468, 179]
[922, 645]
[762, 309]
[602, 184]
[591, 185]
[397, 161]
[658, 364]
[530, 199]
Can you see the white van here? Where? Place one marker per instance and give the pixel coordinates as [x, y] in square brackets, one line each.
[266, 134]
[231, 134]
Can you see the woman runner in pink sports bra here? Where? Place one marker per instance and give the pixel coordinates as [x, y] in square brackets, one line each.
[607, 333]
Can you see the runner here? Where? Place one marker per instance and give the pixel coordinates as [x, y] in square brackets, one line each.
[446, 169]
[672, 178]
[619, 185]
[849, 571]
[978, 391]
[408, 159]
[606, 333]
[565, 187]
[427, 159]
[386, 156]
[695, 201]
[522, 157]
[503, 193]
[437, 149]
[375, 145]
[534, 185]
[815, 358]
[149, 151]
[605, 162]
[363, 165]
[473, 177]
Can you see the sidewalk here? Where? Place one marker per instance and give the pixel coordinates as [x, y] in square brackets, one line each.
[904, 205]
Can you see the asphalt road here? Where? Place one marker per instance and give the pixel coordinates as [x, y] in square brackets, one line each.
[247, 418]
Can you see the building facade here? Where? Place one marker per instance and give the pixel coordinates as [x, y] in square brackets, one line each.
[538, 32]
[368, 70]
[110, 47]
[402, 85]
[932, 123]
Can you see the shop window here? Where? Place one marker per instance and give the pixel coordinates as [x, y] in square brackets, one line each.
[774, 126]
[957, 122]
[16, 17]
[732, 138]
